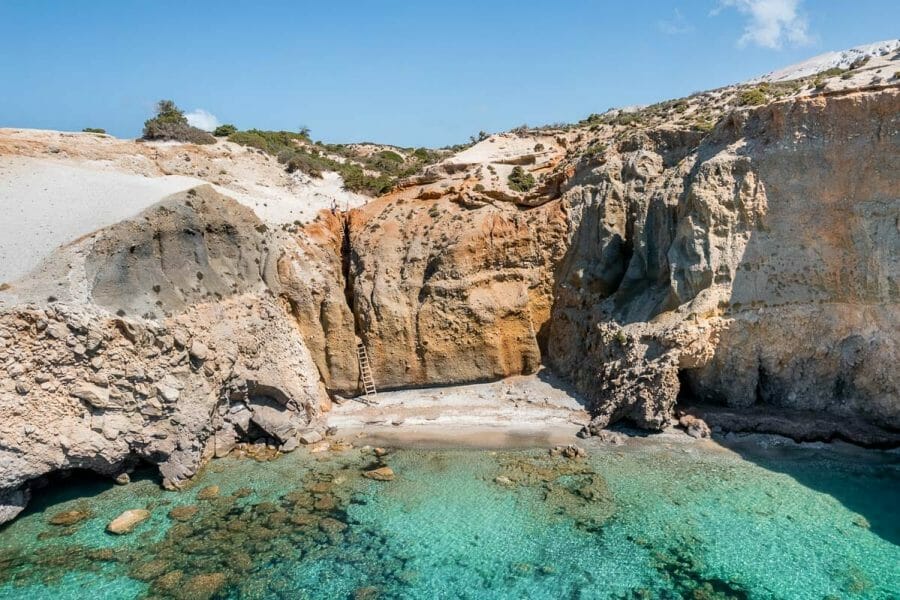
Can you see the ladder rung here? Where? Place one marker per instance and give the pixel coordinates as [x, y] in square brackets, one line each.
[365, 370]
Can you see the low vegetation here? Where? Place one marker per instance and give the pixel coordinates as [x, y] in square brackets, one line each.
[372, 174]
[752, 97]
[170, 124]
[520, 180]
[93, 130]
[225, 130]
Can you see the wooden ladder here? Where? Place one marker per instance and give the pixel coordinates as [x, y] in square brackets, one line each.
[365, 371]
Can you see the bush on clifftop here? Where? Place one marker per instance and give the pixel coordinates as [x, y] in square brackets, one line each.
[170, 124]
[224, 130]
[520, 180]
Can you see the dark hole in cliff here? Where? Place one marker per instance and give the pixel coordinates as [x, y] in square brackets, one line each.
[686, 395]
[345, 262]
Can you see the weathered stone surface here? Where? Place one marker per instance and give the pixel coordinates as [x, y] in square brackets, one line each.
[69, 517]
[183, 513]
[135, 393]
[127, 521]
[754, 266]
[380, 474]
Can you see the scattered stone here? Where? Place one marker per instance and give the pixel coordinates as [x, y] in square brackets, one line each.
[332, 526]
[166, 393]
[183, 513]
[612, 438]
[380, 452]
[208, 493]
[694, 426]
[504, 481]
[69, 517]
[122, 479]
[380, 474]
[199, 351]
[242, 492]
[326, 502]
[289, 446]
[127, 521]
[201, 587]
[310, 437]
[94, 395]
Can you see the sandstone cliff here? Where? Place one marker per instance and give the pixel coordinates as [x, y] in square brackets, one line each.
[761, 267]
[650, 258]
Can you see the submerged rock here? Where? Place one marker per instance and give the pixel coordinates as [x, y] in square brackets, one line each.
[127, 521]
[201, 587]
[208, 493]
[169, 581]
[69, 517]
[183, 513]
[380, 474]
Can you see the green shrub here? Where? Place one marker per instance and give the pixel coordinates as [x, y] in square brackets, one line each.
[832, 72]
[271, 142]
[753, 97]
[520, 180]
[595, 150]
[389, 155]
[93, 130]
[225, 130]
[171, 124]
[704, 125]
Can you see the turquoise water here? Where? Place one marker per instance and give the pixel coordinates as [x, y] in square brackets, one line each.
[651, 520]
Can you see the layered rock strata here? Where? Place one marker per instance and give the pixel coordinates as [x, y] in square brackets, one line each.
[752, 266]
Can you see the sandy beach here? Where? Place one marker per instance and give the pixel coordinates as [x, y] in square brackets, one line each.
[519, 412]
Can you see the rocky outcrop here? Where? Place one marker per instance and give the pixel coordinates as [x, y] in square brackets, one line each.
[86, 385]
[759, 269]
[753, 266]
[445, 293]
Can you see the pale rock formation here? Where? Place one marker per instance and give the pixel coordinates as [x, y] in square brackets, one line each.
[754, 266]
[216, 358]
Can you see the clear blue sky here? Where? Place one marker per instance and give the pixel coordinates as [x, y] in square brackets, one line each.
[408, 73]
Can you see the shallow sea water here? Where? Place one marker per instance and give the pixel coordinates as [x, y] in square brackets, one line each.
[650, 520]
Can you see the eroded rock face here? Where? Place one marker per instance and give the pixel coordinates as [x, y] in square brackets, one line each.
[754, 266]
[448, 293]
[85, 385]
[762, 266]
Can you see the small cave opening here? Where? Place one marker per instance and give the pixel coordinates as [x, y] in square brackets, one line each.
[80, 485]
[687, 396]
